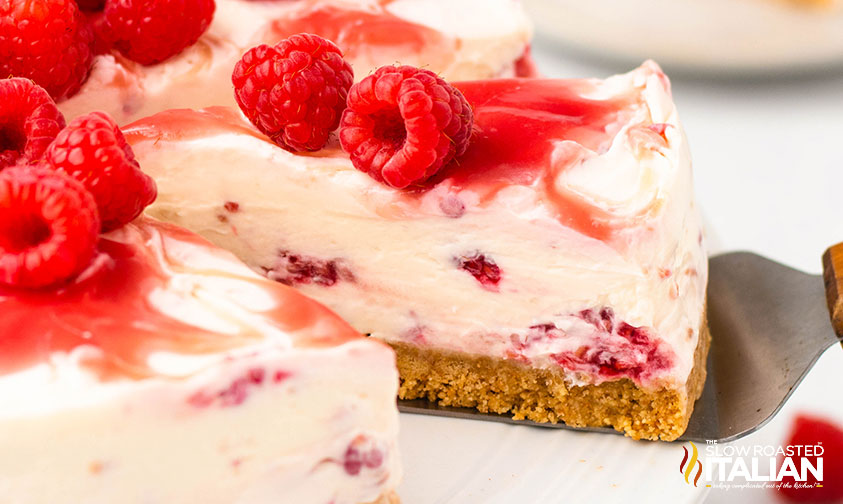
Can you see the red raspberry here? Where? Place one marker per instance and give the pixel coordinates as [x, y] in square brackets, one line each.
[810, 430]
[93, 150]
[363, 452]
[294, 269]
[294, 92]
[150, 32]
[99, 27]
[48, 227]
[91, 5]
[47, 41]
[29, 121]
[482, 268]
[403, 124]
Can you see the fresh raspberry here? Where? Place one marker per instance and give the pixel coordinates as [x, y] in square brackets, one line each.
[403, 124]
[294, 92]
[47, 41]
[29, 121]
[48, 227]
[91, 5]
[102, 39]
[150, 32]
[93, 150]
[813, 431]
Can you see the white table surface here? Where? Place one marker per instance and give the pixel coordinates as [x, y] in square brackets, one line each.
[768, 161]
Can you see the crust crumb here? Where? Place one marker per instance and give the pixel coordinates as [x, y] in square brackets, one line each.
[541, 395]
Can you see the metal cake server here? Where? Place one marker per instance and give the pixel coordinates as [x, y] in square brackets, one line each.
[769, 325]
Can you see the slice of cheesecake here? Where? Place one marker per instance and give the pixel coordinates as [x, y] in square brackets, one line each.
[555, 271]
[169, 372]
[461, 39]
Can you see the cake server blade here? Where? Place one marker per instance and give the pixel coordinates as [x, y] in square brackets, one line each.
[769, 325]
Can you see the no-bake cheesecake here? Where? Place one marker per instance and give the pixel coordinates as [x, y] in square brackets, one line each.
[140, 364]
[170, 372]
[448, 37]
[552, 269]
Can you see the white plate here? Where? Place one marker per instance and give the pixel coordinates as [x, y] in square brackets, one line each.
[728, 37]
[450, 461]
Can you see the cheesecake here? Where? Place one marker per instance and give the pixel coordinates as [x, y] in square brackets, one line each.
[720, 38]
[555, 271]
[168, 371]
[448, 37]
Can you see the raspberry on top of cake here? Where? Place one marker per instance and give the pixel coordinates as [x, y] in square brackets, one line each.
[133, 58]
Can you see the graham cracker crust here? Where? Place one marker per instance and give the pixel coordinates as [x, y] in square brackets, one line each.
[387, 498]
[541, 395]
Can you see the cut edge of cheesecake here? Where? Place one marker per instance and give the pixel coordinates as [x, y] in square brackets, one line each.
[498, 382]
[505, 386]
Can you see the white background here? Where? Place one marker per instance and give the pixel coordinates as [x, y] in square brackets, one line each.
[768, 161]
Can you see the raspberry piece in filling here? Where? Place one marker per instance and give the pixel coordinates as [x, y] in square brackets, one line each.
[482, 268]
[619, 349]
[295, 269]
[362, 453]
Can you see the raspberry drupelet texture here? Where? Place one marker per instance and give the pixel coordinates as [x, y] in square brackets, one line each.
[295, 91]
[93, 150]
[48, 41]
[151, 32]
[403, 124]
[102, 43]
[49, 227]
[29, 121]
[91, 5]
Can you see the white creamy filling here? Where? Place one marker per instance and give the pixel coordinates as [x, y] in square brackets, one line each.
[406, 286]
[66, 436]
[488, 39]
[198, 77]
[205, 288]
[636, 171]
[216, 428]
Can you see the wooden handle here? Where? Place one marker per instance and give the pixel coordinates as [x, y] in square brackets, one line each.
[833, 276]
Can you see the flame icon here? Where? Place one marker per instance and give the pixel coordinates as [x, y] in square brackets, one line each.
[688, 468]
